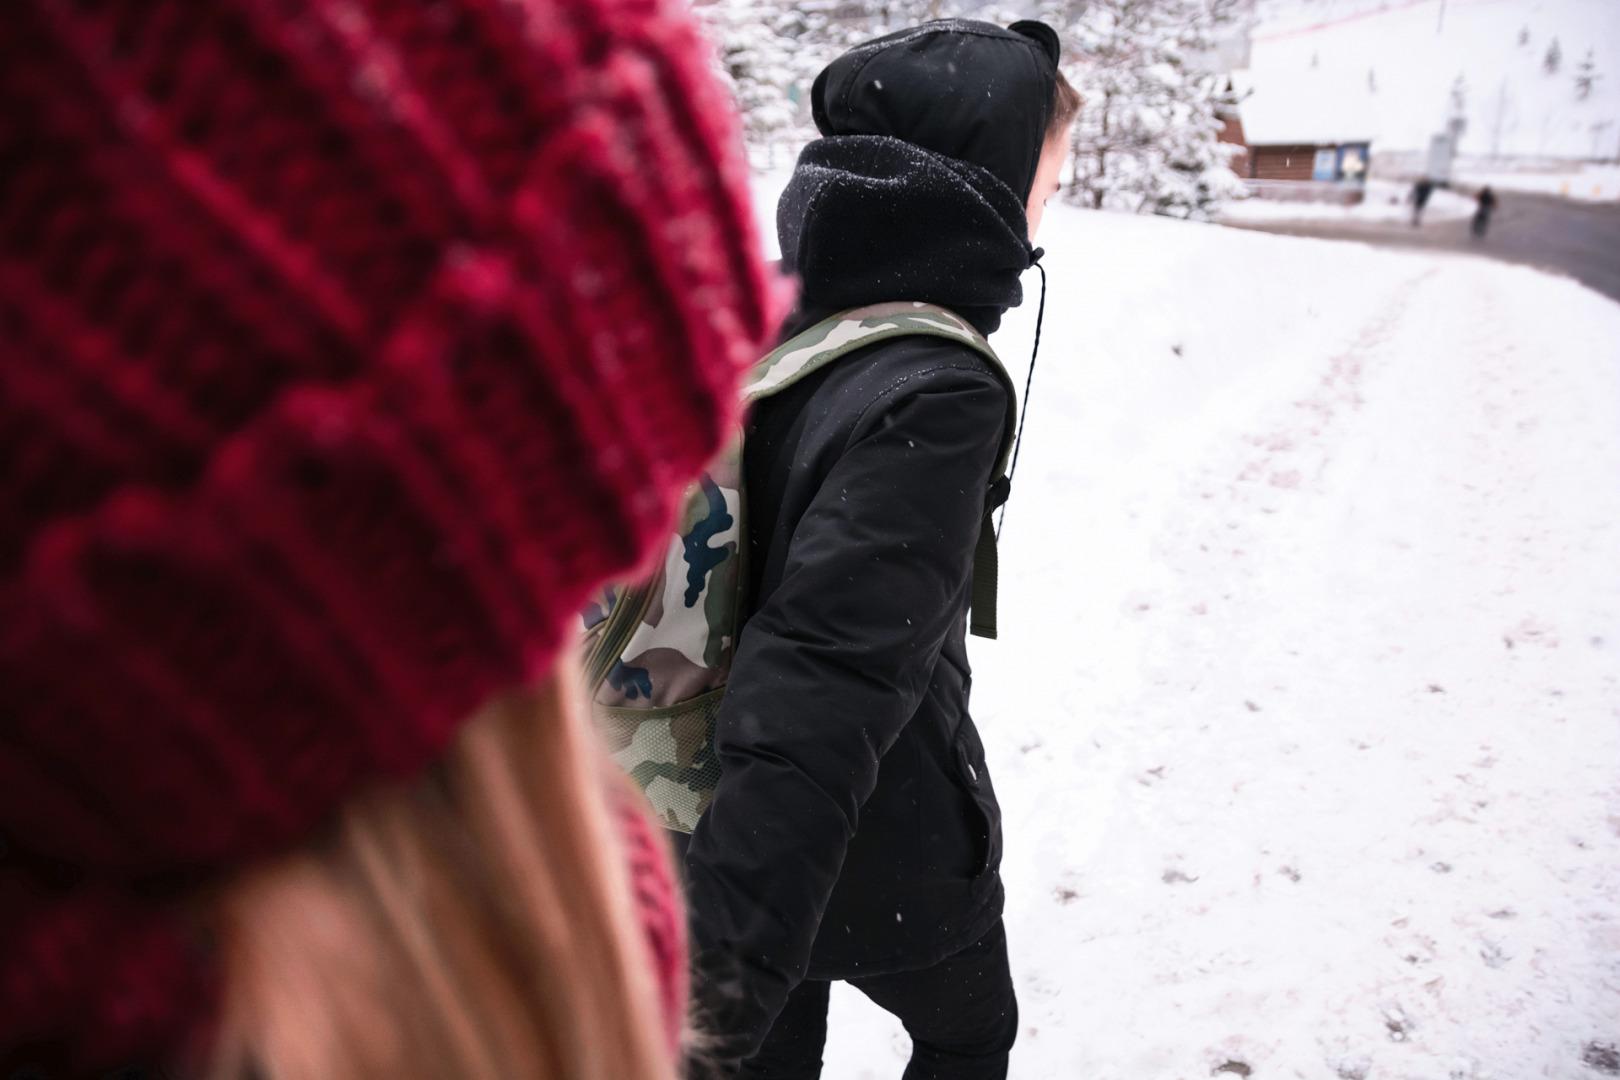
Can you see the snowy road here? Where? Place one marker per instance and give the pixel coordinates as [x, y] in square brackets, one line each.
[1306, 712]
[1581, 239]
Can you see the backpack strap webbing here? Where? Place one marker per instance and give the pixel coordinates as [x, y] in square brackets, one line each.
[842, 334]
[986, 564]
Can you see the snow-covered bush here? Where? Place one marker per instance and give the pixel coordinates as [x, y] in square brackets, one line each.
[1147, 137]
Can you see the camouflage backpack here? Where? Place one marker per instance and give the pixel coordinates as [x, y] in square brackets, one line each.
[658, 651]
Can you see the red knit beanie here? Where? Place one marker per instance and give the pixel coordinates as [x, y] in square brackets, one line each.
[344, 345]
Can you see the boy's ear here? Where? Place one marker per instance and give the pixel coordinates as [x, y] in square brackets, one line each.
[1043, 35]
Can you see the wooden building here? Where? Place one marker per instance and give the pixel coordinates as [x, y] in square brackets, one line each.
[1331, 161]
[1291, 161]
[1309, 126]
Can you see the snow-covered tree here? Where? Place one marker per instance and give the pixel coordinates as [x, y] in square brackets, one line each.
[1597, 131]
[770, 53]
[1554, 58]
[889, 15]
[1501, 116]
[1146, 140]
[1586, 77]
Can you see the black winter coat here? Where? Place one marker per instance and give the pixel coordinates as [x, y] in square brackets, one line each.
[855, 830]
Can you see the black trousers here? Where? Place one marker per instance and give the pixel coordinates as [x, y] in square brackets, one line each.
[961, 1015]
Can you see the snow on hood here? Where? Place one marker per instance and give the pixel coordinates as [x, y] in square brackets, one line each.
[968, 90]
[867, 219]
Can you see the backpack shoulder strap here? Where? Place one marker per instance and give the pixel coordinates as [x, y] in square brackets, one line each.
[841, 334]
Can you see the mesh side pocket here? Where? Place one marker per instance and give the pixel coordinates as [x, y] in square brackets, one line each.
[669, 753]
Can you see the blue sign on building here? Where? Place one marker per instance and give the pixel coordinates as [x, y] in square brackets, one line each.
[1346, 163]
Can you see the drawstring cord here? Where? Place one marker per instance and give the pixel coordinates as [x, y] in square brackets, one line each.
[1018, 442]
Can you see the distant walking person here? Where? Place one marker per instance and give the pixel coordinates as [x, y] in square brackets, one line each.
[1420, 198]
[1482, 215]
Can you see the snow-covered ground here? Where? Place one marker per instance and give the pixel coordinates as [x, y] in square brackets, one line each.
[1385, 202]
[1305, 716]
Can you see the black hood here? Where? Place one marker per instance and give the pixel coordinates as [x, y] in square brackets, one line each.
[917, 191]
[867, 219]
[969, 90]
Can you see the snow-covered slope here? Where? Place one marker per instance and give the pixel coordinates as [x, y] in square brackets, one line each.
[1385, 70]
[1306, 710]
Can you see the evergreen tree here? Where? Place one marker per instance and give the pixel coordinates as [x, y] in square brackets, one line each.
[1554, 59]
[1586, 77]
[1459, 97]
[1147, 136]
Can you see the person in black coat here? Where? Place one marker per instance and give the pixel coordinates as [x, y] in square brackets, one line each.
[1420, 198]
[854, 833]
[1482, 210]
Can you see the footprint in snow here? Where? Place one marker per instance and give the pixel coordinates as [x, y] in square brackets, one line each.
[1602, 1056]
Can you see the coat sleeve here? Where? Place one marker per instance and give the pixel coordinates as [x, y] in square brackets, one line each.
[828, 671]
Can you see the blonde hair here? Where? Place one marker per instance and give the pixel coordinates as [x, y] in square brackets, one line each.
[476, 924]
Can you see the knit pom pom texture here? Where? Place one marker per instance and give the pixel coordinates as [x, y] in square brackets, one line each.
[344, 345]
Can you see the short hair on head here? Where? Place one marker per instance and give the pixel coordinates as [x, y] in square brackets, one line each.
[1065, 107]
